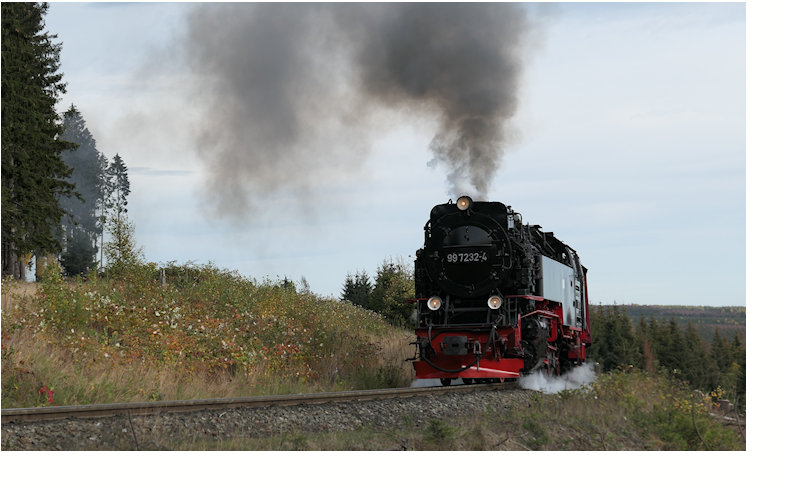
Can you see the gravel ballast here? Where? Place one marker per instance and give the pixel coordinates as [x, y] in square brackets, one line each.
[163, 430]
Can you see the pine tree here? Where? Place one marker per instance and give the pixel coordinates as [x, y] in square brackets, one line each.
[33, 173]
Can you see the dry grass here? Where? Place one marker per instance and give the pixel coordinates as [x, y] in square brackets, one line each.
[34, 362]
[15, 293]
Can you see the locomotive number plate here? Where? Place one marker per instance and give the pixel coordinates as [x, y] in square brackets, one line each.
[467, 257]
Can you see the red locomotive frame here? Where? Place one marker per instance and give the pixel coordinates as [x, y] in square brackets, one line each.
[565, 344]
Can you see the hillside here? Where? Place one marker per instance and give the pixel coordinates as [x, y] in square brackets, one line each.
[726, 320]
[205, 333]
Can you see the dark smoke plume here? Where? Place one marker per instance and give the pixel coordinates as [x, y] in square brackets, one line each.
[291, 90]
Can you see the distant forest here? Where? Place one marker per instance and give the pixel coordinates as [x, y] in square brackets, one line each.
[702, 346]
[727, 321]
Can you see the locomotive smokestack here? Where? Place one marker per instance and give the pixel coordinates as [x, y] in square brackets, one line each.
[291, 89]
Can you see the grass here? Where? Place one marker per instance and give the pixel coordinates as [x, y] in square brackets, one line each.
[206, 333]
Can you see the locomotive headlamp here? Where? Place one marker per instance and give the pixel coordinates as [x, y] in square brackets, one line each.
[464, 202]
[494, 302]
[434, 303]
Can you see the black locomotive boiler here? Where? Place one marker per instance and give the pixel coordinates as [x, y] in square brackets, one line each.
[496, 298]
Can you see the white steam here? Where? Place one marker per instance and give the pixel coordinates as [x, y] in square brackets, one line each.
[573, 379]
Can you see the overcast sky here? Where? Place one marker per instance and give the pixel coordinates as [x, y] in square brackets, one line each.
[629, 145]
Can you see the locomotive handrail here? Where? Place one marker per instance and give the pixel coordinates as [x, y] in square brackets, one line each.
[546, 313]
[527, 297]
[466, 327]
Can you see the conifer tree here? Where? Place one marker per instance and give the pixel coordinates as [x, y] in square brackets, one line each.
[672, 346]
[696, 358]
[348, 292]
[616, 345]
[33, 173]
[82, 224]
[117, 185]
[720, 353]
[115, 188]
[740, 360]
[357, 289]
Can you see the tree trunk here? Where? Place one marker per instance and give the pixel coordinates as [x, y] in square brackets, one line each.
[12, 264]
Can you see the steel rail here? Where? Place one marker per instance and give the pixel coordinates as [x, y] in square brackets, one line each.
[145, 408]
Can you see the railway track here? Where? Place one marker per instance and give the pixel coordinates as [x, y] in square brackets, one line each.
[252, 421]
[37, 414]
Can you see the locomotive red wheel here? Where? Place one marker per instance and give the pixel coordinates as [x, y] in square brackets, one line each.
[446, 381]
[467, 381]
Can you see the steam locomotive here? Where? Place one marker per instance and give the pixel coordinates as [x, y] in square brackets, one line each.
[496, 299]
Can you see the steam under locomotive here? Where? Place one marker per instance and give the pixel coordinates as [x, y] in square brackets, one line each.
[496, 298]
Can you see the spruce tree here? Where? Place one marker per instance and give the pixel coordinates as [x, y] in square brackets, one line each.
[115, 188]
[33, 173]
[83, 223]
[117, 185]
[740, 360]
[348, 288]
[673, 351]
[79, 253]
[357, 289]
[696, 362]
